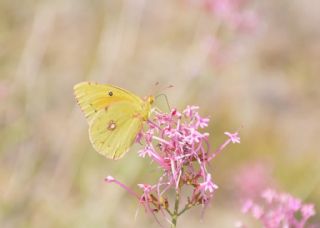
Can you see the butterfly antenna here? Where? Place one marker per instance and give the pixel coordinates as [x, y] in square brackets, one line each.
[154, 88]
[158, 90]
[166, 98]
[160, 93]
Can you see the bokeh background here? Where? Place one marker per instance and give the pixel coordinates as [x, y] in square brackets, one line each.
[250, 63]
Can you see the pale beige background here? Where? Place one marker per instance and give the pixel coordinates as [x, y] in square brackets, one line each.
[266, 80]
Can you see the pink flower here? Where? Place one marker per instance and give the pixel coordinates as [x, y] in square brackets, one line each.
[190, 111]
[110, 179]
[294, 204]
[257, 211]
[175, 143]
[247, 205]
[274, 209]
[308, 210]
[233, 137]
[269, 195]
[147, 189]
[208, 185]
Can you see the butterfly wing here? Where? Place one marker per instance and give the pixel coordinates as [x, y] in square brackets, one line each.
[92, 97]
[114, 129]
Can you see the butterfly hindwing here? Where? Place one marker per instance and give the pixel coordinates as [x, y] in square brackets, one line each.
[93, 97]
[113, 129]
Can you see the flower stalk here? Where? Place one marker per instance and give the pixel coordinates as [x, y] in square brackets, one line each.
[176, 210]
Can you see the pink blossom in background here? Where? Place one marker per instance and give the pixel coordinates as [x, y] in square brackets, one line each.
[239, 17]
[275, 210]
[252, 178]
[214, 50]
[176, 144]
[236, 13]
[4, 90]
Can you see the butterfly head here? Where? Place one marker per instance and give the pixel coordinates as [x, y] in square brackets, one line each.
[146, 106]
[150, 99]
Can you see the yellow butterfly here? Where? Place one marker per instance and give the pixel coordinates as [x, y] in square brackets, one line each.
[115, 116]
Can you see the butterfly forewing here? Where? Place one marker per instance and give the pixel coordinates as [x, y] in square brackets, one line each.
[93, 97]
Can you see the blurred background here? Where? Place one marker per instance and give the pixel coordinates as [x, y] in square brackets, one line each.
[245, 63]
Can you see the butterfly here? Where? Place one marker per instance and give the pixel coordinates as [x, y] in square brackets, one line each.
[115, 116]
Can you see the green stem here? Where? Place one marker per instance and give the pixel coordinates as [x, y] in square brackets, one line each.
[169, 212]
[176, 209]
[187, 207]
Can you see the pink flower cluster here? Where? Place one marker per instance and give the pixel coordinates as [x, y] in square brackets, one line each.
[275, 210]
[174, 142]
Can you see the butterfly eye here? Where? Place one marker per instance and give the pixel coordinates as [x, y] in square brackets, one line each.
[110, 93]
[150, 99]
